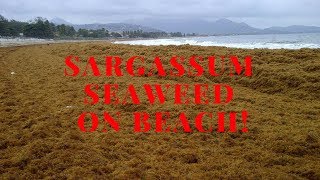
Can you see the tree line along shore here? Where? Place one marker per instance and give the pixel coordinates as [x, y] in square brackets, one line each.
[44, 29]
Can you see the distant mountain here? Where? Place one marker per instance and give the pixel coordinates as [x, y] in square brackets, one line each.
[295, 29]
[222, 27]
[112, 27]
[116, 27]
[219, 27]
[225, 26]
[59, 21]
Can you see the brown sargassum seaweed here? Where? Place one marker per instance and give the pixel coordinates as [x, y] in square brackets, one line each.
[39, 136]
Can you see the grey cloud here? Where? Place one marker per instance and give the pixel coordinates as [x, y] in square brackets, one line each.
[258, 13]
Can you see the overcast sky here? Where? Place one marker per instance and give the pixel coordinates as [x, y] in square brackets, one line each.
[257, 13]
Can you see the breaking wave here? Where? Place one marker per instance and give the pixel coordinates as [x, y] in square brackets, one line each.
[281, 41]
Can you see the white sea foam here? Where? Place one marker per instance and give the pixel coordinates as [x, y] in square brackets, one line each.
[21, 41]
[158, 42]
[292, 41]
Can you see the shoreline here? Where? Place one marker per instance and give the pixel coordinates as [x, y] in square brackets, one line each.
[285, 41]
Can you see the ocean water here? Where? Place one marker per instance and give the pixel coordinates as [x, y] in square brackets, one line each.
[269, 41]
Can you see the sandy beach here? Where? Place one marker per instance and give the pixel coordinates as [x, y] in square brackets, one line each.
[39, 136]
